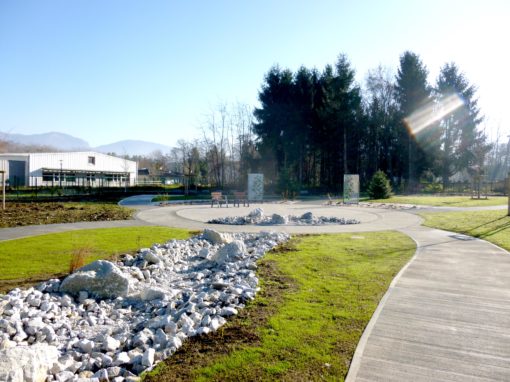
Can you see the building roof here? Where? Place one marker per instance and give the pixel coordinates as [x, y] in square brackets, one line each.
[61, 153]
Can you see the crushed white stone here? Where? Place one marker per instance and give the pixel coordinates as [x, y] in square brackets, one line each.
[112, 321]
[257, 217]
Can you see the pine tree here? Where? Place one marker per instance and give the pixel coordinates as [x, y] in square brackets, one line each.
[379, 187]
[462, 145]
[412, 93]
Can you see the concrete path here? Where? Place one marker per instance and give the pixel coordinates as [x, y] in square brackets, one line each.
[446, 316]
[137, 200]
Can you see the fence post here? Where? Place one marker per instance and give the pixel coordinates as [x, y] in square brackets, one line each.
[508, 192]
[3, 189]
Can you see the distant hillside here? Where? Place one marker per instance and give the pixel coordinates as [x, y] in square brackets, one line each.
[64, 142]
[60, 141]
[132, 147]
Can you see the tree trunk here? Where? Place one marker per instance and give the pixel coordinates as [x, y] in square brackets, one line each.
[346, 170]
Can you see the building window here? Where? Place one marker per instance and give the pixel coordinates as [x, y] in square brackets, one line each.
[92, 160]
[47, 176]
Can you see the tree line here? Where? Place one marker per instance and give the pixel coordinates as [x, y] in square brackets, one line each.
[314, 127]
[311, 127]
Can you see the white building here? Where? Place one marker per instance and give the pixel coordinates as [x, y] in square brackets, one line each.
[88, 169]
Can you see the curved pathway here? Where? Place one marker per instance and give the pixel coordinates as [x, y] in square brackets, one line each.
[445, 317]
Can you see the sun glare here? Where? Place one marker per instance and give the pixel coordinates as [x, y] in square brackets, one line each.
[432, 113]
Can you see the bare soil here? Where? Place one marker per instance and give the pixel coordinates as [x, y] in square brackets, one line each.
[20, 214]
[242, 330]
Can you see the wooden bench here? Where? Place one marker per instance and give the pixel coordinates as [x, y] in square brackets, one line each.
[241, 197]
[218, 198]
[330, 201]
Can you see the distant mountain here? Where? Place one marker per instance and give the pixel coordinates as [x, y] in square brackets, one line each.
[66, 142]
[132, 147]
[59, 141]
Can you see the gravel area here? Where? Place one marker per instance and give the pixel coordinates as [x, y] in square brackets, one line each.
[112, 321]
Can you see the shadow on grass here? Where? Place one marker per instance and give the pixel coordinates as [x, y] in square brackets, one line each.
[491, 231]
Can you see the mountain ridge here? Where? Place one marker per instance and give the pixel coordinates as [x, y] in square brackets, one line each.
[66, 142]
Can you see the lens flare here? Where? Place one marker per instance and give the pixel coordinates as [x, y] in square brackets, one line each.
[432, 113]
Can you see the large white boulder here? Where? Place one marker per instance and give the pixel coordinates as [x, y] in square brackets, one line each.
[257, 214]
[279, 219]
[27, 363]
[100, 278]
[216, 237]
[230, 252]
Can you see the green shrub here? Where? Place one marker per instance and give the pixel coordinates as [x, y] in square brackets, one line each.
[433, 188]
[379, 187]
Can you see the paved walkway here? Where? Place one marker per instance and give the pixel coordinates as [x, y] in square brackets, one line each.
[446, 316]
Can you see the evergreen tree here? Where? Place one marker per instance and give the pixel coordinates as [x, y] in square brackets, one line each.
[379, 187]
[276, 115]
[462, 145]
[412, 93]
[339, 113]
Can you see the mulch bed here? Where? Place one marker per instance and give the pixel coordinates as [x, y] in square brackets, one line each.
[21, 214]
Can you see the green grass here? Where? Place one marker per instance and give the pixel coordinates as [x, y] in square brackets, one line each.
[40, 257]
[493, 226]
[315, 326]
[444, 201]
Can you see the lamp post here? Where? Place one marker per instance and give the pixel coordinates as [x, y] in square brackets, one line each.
[507, 159]
[3, 188]
[507, 191]
[60, 177]
[508, 173]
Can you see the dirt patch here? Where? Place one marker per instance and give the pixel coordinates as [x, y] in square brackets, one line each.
[21, 214]
[201, 351]
[8, 285]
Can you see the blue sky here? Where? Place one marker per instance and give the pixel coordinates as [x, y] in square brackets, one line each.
[111, 70]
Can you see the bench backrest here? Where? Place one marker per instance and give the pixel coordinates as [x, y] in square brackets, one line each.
[240, 195]
[216, 195]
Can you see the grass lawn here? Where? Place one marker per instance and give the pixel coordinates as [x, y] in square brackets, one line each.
[493, 226]
[444, 201]
[29, 260]
[20, 214]
[318, 294]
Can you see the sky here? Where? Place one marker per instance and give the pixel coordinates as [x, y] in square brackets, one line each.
[111, 70]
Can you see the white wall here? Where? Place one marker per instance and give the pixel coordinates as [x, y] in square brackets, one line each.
[79, 161]
[76, 161]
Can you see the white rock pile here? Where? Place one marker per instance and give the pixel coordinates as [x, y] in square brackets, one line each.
[257, 217]
[109, 322]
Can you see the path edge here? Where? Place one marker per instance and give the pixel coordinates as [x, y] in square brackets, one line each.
[355, 364]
